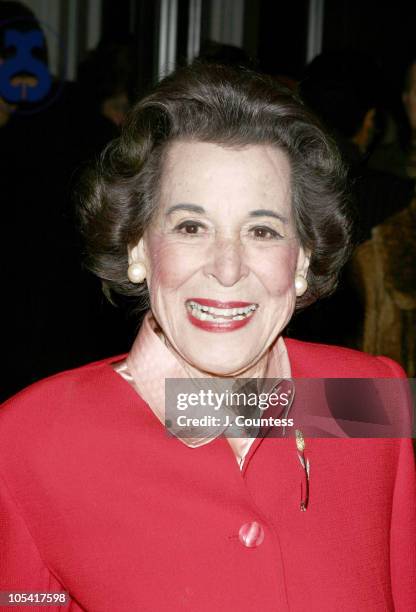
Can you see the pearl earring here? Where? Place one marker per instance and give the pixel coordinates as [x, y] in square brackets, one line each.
[301, 284]
[136, 272]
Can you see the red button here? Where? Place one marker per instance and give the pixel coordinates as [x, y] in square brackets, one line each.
[251, 534]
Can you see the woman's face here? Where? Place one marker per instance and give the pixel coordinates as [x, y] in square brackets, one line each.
[222, 254]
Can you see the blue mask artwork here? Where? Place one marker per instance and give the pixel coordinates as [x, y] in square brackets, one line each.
[24, 62]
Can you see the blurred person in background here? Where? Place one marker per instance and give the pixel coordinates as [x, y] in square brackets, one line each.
[106, 81]
[221, 53]
[17, 83]
[409, 103]
[344, 90]
[42, 144]
[396, 153]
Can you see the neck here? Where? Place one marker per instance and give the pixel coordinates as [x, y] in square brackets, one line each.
[257, 370]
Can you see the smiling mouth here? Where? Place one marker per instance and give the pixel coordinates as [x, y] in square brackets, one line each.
[223, 312]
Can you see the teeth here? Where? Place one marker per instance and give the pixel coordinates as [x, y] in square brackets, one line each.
[209, 313]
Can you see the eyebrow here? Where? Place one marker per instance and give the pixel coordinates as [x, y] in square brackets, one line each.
[200, 210]
[191, 207]
[264, 212]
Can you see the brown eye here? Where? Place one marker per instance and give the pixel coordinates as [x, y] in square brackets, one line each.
[265, 233]
[189, 228]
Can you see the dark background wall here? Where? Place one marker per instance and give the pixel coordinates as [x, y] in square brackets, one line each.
[275, 32]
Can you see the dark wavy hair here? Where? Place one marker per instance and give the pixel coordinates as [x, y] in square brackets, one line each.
[232, 107]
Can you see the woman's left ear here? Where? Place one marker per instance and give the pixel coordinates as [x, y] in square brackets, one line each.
[137, 271]
[136, 252]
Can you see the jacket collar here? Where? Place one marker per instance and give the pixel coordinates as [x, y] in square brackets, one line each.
[150, 362]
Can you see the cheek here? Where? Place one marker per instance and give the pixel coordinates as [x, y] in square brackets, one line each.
[169, 264]
[276, 269]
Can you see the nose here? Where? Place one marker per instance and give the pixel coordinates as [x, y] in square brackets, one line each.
[226, 262]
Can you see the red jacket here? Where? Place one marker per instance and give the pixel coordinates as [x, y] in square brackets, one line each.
[97, 500]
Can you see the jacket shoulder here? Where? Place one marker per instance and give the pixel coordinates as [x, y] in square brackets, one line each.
[60, 389]
[310, 359]
[54, 417]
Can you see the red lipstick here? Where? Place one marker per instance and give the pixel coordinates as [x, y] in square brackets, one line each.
[217, 304]
[226, 321]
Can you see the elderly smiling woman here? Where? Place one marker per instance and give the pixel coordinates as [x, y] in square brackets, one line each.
[222, 209]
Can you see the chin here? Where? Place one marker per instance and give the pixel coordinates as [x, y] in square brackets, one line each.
[225, 370]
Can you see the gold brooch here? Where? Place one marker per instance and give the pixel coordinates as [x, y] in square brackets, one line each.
[304, 486]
